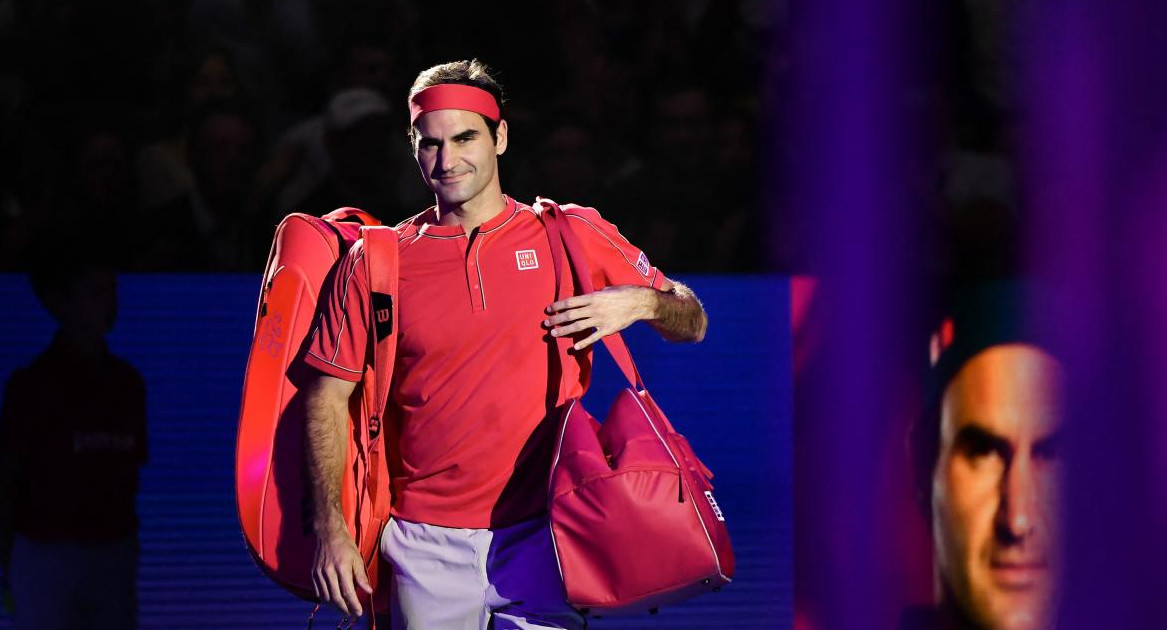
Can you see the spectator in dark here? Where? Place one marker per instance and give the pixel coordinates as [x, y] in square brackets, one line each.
[89, 177]
[988, 469]
[26, 182]
[603, 82]
[73, 427]
[723, 45]
[216, 226]
[564, 163]
[301, 161]
[358, 32]
[274, 45]
[74, 50]
[690, 203]
[366, 154]
[104, 184]
[369, 61]
[200, 75]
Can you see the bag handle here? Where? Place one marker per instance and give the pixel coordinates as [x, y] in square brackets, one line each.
[351, 215]
[564, 245]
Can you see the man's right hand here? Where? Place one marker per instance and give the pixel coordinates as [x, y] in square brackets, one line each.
[338, 571]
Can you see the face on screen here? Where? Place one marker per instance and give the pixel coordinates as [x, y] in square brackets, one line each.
[995, 490]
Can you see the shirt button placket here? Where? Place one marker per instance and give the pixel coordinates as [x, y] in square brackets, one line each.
[475, 285]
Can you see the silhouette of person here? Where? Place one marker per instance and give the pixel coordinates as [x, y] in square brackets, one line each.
[74, 437]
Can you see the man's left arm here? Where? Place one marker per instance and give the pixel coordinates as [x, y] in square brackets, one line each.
[673, 310]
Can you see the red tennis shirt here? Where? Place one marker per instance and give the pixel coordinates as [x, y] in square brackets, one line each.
[474, 373]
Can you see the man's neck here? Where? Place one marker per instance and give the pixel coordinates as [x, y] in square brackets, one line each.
[474, 212]
[82, 343]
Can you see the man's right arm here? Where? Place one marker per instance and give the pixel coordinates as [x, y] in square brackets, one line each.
[338, 568]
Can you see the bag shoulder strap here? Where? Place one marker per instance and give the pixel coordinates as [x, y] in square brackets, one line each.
[382, 264]
[381, 261]
[565, 248]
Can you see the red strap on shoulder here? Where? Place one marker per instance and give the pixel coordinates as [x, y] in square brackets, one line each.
[563, 239]
[381, 260]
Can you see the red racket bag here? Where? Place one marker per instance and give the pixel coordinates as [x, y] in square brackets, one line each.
[272, 487]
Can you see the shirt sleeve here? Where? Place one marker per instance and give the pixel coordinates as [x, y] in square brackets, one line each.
[338, 342]
[612, 259]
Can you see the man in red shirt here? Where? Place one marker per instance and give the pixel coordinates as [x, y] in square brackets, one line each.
[475, 383]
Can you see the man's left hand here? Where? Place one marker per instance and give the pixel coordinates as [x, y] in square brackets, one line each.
[604, 312]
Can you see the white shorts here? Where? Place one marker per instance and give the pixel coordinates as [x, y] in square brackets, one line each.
[473, 579]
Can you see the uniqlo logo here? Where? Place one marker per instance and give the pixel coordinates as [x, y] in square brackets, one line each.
[642, 264]
[526, 259]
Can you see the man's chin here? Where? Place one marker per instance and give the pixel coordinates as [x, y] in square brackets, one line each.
[1021, 611]
[451, 196]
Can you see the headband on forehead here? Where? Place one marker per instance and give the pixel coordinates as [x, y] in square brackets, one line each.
[453, 96]
[982, 316]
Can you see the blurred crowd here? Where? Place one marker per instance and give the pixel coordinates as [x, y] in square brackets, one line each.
[954, 125]
[979, 198]
[179, 133]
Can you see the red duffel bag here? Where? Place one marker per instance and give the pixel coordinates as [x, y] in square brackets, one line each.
[633, 518]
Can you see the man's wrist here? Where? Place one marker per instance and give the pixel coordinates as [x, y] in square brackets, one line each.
[678, 315]
[650, 304]
[329, 524]
[654, 303]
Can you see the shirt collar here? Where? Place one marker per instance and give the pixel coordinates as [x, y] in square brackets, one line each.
[430, 227]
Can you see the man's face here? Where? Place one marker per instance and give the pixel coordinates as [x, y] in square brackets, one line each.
[214, 79]
[88, 307]
[456, 155]
[995, 490]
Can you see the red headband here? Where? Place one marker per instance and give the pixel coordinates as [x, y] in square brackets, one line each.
[453, 96]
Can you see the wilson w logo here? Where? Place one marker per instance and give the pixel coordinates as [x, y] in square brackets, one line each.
[382, 314]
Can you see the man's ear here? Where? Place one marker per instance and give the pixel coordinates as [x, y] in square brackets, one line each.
[500, 143]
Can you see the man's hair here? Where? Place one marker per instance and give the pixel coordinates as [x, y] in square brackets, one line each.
[981, 316]
[473, 73]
